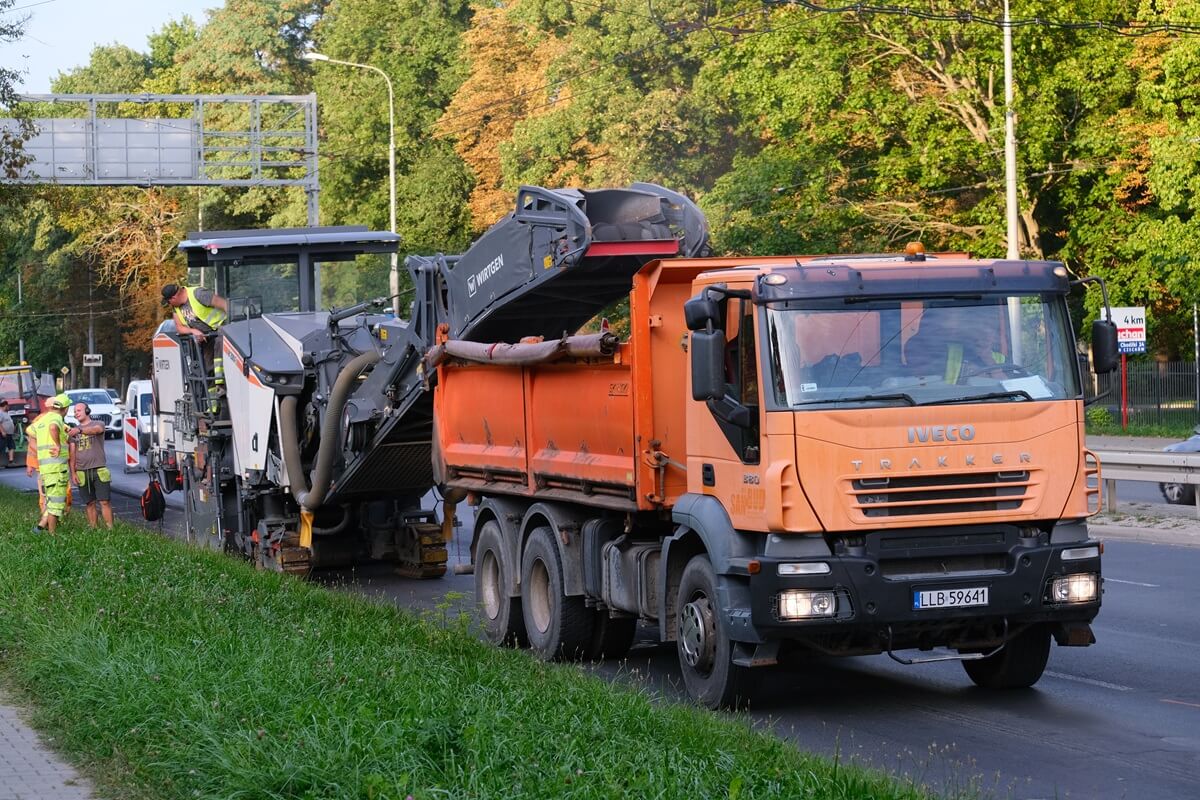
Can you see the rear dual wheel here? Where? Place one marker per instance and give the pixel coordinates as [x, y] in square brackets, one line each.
[499, 613]
[559, 627]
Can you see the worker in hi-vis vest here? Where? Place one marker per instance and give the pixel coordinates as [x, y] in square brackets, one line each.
[199, 312]
[53, 451]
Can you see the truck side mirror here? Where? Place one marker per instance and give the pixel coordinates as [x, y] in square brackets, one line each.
[708, 367]
[1104, 346]
[701, 310]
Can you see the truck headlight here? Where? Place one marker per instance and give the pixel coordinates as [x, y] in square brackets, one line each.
[800, 604]
[1080, 588]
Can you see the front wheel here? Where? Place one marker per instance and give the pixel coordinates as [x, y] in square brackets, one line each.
[1018, 665]
[704, 647]
[1178, 493]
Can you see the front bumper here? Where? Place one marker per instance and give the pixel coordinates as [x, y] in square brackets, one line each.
[875, 579]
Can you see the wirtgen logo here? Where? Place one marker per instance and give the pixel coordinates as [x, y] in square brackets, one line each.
[479, 278]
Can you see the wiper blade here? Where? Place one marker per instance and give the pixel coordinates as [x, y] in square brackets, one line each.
[971, 398]
[865, 398]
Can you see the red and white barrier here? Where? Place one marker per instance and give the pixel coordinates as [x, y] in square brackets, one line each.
[133, 459]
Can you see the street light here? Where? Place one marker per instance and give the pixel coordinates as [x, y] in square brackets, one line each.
[394, 275]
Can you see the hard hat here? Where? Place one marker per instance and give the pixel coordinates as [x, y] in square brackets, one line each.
[60, 401]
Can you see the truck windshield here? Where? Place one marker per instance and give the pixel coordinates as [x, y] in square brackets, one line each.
[15, 384]
[855, 353]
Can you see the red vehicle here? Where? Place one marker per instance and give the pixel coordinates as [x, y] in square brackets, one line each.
[18, 385]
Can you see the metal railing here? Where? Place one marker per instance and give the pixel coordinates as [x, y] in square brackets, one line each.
[1143, 465]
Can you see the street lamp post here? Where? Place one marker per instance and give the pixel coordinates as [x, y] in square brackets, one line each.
[394, 274]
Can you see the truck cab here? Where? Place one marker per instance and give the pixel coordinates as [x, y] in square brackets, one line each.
[894, 449]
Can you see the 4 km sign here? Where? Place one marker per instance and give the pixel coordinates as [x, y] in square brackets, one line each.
[1131, 328]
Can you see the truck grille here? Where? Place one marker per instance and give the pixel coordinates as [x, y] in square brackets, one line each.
[943, 493]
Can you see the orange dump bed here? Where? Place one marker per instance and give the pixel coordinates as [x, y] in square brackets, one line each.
[605, 432]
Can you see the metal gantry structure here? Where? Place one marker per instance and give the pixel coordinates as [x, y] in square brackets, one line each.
[190, 140]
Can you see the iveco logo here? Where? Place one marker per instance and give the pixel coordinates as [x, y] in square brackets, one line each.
[941, 433]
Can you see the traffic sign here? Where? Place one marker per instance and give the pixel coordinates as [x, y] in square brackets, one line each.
[93, 359]
[1131, 328]
[65, 370]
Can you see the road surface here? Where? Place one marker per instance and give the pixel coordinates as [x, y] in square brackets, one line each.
[1120, 719]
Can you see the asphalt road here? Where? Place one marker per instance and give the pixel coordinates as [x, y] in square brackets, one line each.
[1120, 719]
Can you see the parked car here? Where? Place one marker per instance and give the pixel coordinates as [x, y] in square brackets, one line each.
[115, 395]
[1181, 493]
[103, 409]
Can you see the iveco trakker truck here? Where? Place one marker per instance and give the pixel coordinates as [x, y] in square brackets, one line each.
[841, 455]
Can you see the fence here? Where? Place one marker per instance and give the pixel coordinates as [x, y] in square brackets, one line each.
[1156, 393]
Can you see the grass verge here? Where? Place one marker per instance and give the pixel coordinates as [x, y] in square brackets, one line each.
[170, 673]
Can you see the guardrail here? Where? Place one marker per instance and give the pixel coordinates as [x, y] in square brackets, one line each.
[1144, 465]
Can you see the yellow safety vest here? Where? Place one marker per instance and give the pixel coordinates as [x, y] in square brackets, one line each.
[50, 465]
[210, 316]
[954, 362]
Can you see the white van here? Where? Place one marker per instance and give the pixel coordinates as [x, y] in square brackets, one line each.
[139, 403]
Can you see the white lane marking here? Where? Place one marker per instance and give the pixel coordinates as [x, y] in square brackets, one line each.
[1180, 703]
[1133, 583]
[1090, 681]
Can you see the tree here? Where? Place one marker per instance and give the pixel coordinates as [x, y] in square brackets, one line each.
[11, 156]
[417, 44]
[509, 59]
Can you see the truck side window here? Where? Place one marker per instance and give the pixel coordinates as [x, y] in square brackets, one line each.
[741, 377]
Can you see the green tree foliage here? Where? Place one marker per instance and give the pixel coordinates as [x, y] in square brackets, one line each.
[11, 157]
[417, 44]
[797, 130]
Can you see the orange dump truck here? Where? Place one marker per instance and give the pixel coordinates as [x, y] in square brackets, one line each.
[844, 455]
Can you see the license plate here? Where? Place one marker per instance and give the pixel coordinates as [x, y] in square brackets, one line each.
[949, 598]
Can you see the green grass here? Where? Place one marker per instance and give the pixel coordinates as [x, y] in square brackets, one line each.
[1176, 432]
[170, 673]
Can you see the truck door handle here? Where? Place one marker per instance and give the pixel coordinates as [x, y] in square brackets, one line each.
[254, 443]
[707, 475]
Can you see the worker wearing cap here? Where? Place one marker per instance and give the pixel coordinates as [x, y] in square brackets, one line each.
[31, 467]
[53, 445]
[199, 312]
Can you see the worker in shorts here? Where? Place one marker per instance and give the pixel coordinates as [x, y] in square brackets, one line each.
[89, 466]
[32, 471]
[53, 450]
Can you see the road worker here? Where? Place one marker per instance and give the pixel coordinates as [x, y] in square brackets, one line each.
[198, 313]
[88, 465]
[53, 445]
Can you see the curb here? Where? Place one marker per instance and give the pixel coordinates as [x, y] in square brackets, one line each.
[1130, 533]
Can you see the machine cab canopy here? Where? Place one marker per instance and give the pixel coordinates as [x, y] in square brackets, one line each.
[279, 270]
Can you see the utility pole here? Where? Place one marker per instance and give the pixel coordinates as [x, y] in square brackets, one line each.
[21, 340]
[1010, 183]
[91, 328]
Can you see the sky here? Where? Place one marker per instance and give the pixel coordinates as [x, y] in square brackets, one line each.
[60, 34]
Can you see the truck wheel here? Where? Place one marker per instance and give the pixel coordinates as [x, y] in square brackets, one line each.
[558, 626]
[500, 614]
[1177, 493]
[1018, 666]
[705, 650]
[611, 637]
